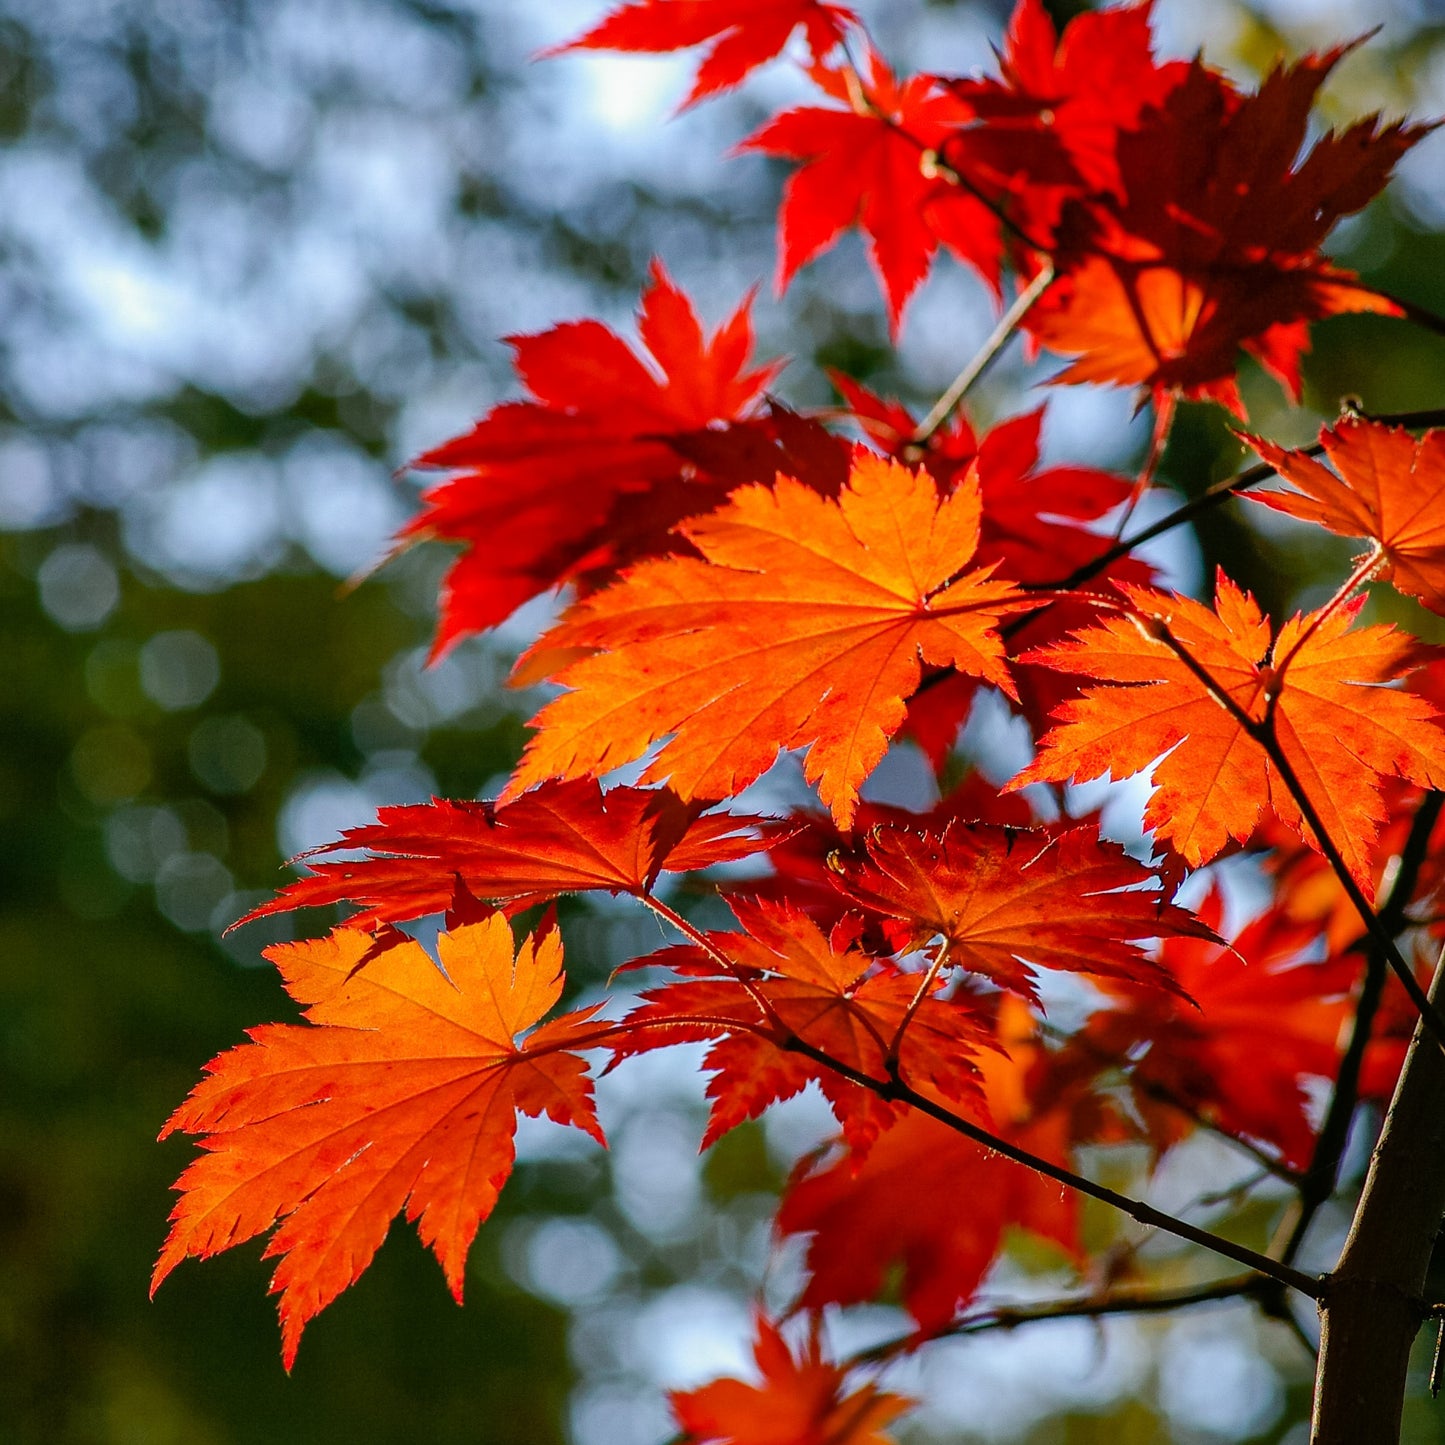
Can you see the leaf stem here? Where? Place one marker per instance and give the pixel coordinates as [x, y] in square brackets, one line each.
[994, 343]
[925, 985]
[1364, 569]
[1163, 421]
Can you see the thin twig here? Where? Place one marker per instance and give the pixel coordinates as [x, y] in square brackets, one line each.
[896, 1090]
[1214, 496]
[994, 343]
[1009, 1317]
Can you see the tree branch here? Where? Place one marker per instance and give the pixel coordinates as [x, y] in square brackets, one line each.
[1373, 1307]
[1318, 1181]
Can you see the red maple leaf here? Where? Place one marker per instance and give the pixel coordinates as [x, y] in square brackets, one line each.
[570, 485]
[1164, 666]
[401, 1093]
[1003, 900]
[1264, 1016]
[799, 1401]
[1047, 130]
[1215, 243]
[863, 165]
[782, 982]
[568, 837]
[932, 1205]
[745, 34]
[1390, 488]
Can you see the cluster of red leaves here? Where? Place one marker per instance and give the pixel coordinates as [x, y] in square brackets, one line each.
[744, 582]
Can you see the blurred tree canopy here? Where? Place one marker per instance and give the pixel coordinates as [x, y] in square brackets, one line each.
[253, 255]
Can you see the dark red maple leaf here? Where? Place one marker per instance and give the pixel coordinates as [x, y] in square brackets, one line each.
[1215, 243]
[570, 485]
[1047, 130]
[745, 34]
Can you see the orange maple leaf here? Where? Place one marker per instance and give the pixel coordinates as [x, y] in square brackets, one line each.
[568, 837]
[787, 982]
[1164, 667]
[1390, 488]
[403, 1093]
[802, 625]
[570, 485]
[800, 1401]
[1001, 899]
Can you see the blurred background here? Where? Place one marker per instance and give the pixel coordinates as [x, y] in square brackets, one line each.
[254, 254]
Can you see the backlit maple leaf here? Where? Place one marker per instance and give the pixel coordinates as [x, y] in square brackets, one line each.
[1002, 900]
[1390, 488]
[580, 479]
[402, 1093]
[800, 1400]
[1215, 243]
[791, 982]
[1340, 728]
[745, 34]
[803, 624]
[1264, 1017]
[932, 1205]
[862, 165]
[1047, 129]
[559, 838]
[1036, 526]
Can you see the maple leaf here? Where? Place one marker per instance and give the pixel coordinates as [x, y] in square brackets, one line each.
[746, 34]
[800, 1401]
[787, 982]
[862, 164]
[1036, 526]
[802, 624]
[1215, 244]
[1320, 685]
[571, 484]
[402, 1092]
[1003, 899]
[804, 857]
[1264, 1017]
[567, 837]
[1047, 130]
[931, 1205]
[1390, 488]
